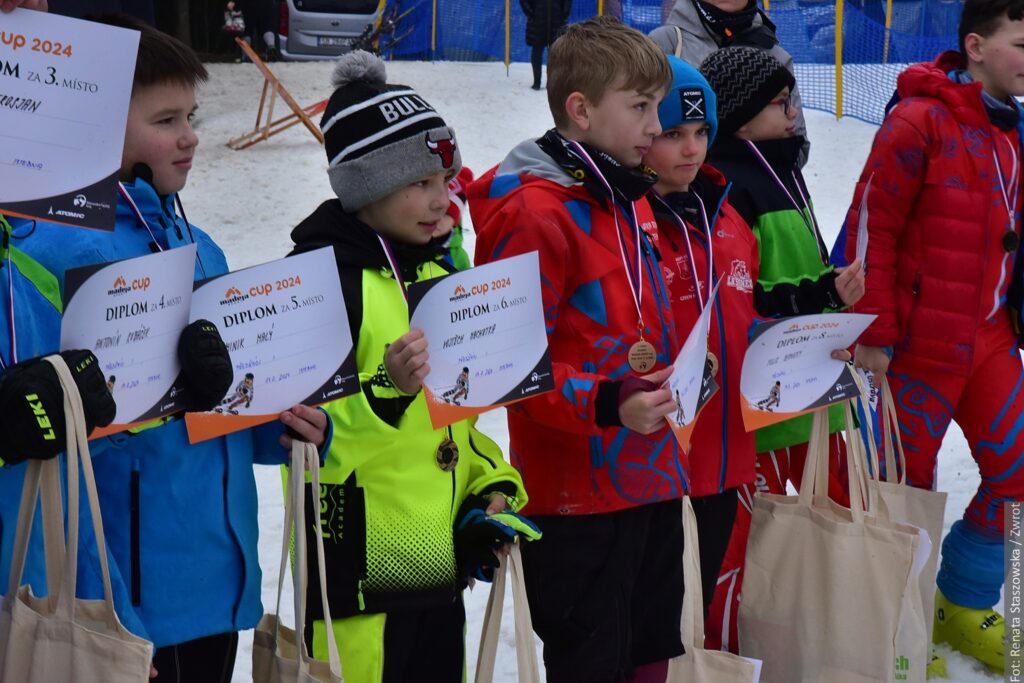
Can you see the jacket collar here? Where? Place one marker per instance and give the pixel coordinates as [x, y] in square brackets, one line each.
[356, 244]
[684, 14]
[151, 205]
[710, 185]
[779, 153]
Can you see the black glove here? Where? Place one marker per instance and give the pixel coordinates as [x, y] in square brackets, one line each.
[476, 539]
[32, 423]
[205, 366]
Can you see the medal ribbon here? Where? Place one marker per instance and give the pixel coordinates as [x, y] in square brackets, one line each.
[678, 220]
[138, 214]
[142, 219]
[1011, 210]
[804, 209]
[389, 254]
[636, 283]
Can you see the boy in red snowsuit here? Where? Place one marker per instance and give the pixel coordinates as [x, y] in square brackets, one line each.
[943, 209]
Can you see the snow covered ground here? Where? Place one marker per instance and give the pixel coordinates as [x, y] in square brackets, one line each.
[250, 200]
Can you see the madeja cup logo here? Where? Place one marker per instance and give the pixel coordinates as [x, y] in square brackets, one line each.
[121, 285]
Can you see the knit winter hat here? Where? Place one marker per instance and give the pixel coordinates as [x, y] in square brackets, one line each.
[380, 137]
[745, 79]
[689, 100]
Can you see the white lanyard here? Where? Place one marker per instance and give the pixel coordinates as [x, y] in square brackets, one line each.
[1011, 206]
[636, 287]
[138, 214]
[1011, 209]
[142, 219]
[689, 247]
[804, 209]
[393, 262]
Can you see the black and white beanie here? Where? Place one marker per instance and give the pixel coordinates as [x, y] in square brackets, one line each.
[745, 79]
[380, 137]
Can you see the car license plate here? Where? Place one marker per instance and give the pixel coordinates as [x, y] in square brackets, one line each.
[333, 41]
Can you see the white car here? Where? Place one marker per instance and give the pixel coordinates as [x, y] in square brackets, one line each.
[323, 29]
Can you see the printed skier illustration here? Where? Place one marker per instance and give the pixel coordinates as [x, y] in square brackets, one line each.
[773, 399]
[460, 390]
[243, 393]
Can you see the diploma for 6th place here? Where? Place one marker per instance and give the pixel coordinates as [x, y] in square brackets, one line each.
[65, 85]
[485, 336]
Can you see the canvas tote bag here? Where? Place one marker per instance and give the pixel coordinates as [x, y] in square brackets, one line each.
[698, 665]
[60, 637]
[919, 507]
[830, 593]
[279, 654]
[526, 654]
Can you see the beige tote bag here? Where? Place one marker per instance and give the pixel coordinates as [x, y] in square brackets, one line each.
[279, 654]
[698, 665]
[526, 653]
[922, 508]
[830, 594]
[60, 637]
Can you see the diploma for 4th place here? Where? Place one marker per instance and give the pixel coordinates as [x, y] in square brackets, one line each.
[287, 331]
[130, 314]
[486, 338]
[65, 85]
[788, 369]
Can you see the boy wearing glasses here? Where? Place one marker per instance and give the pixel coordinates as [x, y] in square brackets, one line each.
[757, 148]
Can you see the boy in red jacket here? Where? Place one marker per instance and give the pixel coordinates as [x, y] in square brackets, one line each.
[943, 182]
[606, 479]
[702, 238]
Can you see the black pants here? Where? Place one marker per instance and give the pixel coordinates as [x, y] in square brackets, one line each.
[606, 591]
[204, 660]
[435, 636]
[536, 59]
[716, 515]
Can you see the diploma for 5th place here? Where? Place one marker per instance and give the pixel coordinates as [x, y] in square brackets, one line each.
[485, 336]
[130, 314]
[65, 85]
[287, 331]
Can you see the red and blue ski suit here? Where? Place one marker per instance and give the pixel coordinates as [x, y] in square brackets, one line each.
[940, 203]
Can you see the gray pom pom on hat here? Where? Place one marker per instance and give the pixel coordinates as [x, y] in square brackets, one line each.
[359, 66]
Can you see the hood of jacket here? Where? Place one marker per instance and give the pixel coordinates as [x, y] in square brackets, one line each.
[931, 79]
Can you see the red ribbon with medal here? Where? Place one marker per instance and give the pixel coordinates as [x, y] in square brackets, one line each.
[641, 355]
[447, 454]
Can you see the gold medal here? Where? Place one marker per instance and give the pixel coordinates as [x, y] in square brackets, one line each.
[447, 455]
[713, 362]
[642, 356]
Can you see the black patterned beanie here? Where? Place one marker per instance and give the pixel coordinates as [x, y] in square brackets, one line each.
[745, 79]
[380, 137]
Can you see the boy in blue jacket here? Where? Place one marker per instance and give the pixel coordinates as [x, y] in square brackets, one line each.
[181, 519]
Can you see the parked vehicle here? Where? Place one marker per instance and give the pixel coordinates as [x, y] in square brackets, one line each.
[323, 29]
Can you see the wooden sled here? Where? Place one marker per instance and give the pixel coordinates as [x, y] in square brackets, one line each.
[266, 126]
